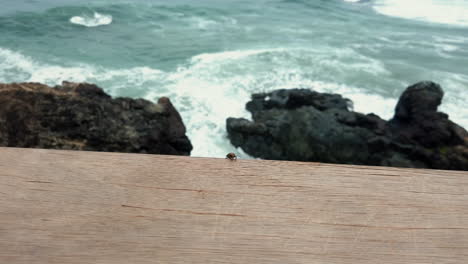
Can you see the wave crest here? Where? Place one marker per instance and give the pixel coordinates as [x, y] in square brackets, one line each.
[229, 78]
[96, 20]
[451, 12]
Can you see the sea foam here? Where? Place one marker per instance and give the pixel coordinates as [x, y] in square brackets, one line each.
[92, 21]
[211, 87]
[215, 86]
[453, 12]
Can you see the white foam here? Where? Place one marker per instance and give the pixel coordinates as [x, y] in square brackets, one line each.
[16, 67]
[454, 12]
[215, 86]
[455, 98]
[96, 20]
[203, 23]
[212, 87]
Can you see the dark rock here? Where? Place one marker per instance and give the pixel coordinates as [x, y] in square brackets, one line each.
[419, 99]
[295, 98]
[303, 125]
[82, 116]
[416, 112]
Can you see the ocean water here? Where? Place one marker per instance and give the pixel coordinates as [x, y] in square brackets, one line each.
[209, 56]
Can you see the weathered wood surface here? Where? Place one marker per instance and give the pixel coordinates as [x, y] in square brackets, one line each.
[87, 207]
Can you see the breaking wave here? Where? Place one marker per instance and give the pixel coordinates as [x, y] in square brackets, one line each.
[92, 21]
[453, 12]
[211, 87]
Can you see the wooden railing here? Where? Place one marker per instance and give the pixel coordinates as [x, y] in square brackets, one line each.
[89, 207]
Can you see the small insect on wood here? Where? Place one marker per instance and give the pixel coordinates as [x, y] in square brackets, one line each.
[231, 156]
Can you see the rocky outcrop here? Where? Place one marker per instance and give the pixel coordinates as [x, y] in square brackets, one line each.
[303, 125]
[82, 116]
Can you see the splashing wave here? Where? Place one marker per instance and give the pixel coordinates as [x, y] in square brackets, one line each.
[96, 20]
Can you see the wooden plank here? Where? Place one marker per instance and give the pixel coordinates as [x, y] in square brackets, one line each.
[89, 207]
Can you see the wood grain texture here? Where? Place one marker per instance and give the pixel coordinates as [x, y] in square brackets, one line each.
[89, 207]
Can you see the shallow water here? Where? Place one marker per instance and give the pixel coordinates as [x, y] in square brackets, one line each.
[208, 56]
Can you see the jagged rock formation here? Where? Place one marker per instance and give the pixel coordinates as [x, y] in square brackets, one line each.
[82, 116]
[303, 125]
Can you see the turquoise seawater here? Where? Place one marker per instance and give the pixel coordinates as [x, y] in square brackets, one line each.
[209, 56]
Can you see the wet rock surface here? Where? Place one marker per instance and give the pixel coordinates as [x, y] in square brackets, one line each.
[82, 116]
[303, 125]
